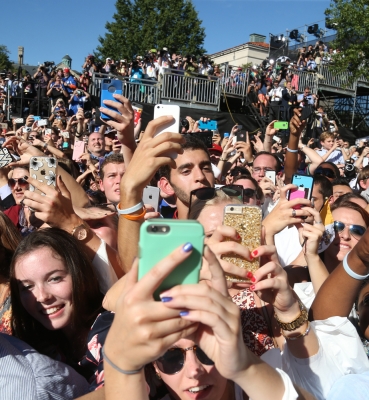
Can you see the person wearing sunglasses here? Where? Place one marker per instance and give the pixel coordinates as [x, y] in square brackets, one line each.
[205, 360]
[329, 170]
[252, 193]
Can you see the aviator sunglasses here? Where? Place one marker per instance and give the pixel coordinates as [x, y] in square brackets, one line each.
[357, 231]
[21, 182]
[173, 360]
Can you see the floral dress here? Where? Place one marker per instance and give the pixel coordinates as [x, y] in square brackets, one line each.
[5, 316]
[93, 359]
[255, 329]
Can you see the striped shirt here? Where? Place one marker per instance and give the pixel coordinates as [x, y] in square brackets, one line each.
[28, 375]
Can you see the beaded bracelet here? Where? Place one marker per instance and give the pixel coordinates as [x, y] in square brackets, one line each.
[122, 371]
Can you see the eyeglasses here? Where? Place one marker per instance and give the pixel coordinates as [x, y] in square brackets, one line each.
[248, 193]
[208, 193]
[21, 182]
[357, 231]
[327, 172]
[173, 360]
[257, 170]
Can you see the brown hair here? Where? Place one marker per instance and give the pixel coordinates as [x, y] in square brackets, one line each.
[326, 135]
[343, 203]
[86, 295]
[9, 240]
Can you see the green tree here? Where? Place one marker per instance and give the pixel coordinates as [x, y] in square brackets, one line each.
[5, 63]
[140, 25]
[351, 20]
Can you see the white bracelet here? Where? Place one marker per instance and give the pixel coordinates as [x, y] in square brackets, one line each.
[131, 210]
[291, 151]
[350, 272]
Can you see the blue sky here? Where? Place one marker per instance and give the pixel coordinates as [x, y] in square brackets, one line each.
[49, 29]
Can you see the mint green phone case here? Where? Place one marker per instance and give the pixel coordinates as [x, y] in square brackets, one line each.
[154, 246]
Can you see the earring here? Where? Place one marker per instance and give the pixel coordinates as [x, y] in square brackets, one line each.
[158, 375]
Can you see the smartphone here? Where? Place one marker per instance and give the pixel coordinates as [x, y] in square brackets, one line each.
[48, 132]
[239, 127]
[4, 125]
[42, 122]
[211, 125]
[241, 136]
[281, 125]
[270, 175]
[5, 157]
[36, 118]
[19, 120]
[166, 109]
[277, 139]
[304, 189]
[108, 88]
[158, 238]
[44, 170]
[137, 109]
[247, 222]
[151, 195]
[305, 113]
[78, 149]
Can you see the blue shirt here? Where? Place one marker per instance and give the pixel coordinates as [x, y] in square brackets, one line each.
[70, 81]
[136, 74]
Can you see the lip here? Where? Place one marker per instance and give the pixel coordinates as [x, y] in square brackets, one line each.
[60, 310]
[203, 394]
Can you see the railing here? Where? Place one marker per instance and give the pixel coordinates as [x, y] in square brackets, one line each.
[144, 91]
[334, 80]
[190, 89]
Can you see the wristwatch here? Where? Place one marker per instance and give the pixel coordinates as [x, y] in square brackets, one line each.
[80, 232]
[296, 323]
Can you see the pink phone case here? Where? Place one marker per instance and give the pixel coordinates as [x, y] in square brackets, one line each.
[78, 150]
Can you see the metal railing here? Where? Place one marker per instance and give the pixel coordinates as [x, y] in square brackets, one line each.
[143, 91]
[190, 89]
[301, 79]
[334, 80]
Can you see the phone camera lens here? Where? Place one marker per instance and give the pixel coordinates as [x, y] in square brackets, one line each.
[154, 228]
[232, 209]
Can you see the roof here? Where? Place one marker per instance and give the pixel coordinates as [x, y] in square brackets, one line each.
[66, 57]
[263, 45]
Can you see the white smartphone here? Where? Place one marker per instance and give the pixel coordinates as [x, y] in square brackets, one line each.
[270, 175]
[166, 109]
[42, 122]
[151, 195]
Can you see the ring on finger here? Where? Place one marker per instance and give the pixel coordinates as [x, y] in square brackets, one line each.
[293, 213]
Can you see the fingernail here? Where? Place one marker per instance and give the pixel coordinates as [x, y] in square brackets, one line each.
[249, 275]
[252, 287]
[251, 258]
[253, 279]
[238, 236]
[183, 313]
[254, 253]
[166, 299]
[25, 177]
[187, 247]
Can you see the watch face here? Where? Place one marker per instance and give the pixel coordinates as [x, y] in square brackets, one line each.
[80, 233]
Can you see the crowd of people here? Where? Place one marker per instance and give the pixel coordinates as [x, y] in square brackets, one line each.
[76, 321]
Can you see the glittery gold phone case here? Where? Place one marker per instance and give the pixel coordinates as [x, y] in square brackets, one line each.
[247, 222]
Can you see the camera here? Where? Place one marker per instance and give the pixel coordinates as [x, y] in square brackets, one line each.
[49, 63]
[349, 170]
[185, 124]
[88, 114]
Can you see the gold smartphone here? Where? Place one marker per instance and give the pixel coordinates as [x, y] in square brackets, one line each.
[247, 222]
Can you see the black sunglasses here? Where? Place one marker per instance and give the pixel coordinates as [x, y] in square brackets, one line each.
[249, 193]
[327, 172]
[21, 182]
[357, 231]
[208, 193]
[173, 360]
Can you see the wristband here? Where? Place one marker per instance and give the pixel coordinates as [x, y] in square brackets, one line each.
[131, 209]
[291, 151]
[45, 145]
[350, 272]
[135, 217]
[222, 159]
[122, 371]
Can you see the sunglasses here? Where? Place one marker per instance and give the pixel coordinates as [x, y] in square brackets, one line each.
[208, 193]
[357, 231]
[249, 193]
[21, 182]
[327, 172]
[173, 360]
